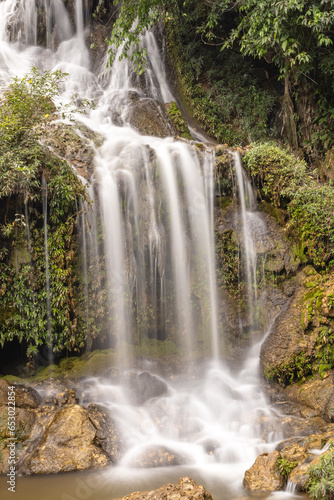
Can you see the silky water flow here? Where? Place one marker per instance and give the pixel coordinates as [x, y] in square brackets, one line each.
[154, 200]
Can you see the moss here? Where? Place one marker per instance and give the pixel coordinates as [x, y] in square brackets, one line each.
[178, 121]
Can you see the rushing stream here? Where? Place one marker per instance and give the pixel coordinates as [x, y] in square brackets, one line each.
[154, 199]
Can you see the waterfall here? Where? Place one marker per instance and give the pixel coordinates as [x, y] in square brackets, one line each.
[148, 249]
[250, 224]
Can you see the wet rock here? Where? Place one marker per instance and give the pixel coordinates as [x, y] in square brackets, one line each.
[299, 476]
[263, 475]
[185, 489]
[107, 435]
[66, 444]
[143, 386]
[149, 117]
[157, 457]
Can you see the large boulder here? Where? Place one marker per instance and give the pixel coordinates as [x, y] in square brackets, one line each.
[263, 475]
[186, 489]
[67, 444]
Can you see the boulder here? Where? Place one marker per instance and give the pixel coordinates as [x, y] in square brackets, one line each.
[143, 386]
[3, 391]
[185, 489]
[66, 444]
[263, 475]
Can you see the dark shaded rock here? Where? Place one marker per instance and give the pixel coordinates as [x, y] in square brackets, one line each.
[66, 443]
[107, 435]
[26, 397]
[186, 489]
[157, 457]
[144, 386]
[263, 475]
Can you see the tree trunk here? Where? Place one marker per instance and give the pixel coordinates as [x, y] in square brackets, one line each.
[289, 129]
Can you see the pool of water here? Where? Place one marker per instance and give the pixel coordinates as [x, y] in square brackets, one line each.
[112, 483]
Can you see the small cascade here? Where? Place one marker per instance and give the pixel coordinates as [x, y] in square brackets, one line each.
[47, 268]
[250, 219]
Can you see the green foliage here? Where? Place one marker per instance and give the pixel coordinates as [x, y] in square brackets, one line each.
[285, 181]
[284, 467]
[26, 107]
[321, 477]
[227, 257]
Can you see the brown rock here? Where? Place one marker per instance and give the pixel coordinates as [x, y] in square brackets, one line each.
[263, 475]
[186, 489]
[67, 444]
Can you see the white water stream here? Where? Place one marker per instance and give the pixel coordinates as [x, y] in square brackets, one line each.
[154, 198]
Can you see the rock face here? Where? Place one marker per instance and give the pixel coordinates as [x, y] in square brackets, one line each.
[186, 489]
[300, 342]
[263, 475]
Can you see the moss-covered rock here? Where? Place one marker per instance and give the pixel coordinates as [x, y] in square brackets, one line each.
[301, 343]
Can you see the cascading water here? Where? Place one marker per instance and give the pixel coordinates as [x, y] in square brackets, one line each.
[155, 260]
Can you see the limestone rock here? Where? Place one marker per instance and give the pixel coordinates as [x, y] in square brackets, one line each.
[263, 475]
[67, 444]
[157, 457]
[186, 489]
[107, 435]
